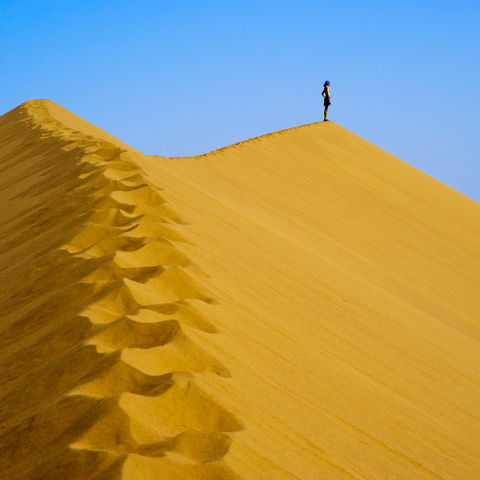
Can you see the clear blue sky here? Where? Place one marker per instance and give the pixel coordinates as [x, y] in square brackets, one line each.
[185, 77]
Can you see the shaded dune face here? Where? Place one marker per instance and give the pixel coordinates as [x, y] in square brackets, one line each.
[301, 305]
[93, 287]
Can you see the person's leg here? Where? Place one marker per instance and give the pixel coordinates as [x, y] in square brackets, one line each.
[325, 114]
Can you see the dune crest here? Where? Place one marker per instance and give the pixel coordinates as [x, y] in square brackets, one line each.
[96, 312]
[300, 305]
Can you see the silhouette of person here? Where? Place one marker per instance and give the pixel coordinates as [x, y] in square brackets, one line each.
[326, 99]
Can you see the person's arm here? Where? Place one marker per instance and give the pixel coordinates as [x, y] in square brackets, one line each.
[323, 93]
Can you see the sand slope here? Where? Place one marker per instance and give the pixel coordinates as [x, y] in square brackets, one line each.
[302, 305]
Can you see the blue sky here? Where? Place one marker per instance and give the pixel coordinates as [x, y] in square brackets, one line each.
[185, 77]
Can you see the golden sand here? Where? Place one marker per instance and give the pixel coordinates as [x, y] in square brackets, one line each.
[302, 305]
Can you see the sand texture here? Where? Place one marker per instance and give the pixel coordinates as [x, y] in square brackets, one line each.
[299, 306]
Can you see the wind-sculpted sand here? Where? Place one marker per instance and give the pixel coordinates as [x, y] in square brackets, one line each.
[301, 305]
[97, 364]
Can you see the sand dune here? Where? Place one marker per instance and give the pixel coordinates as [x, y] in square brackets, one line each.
[301, 305]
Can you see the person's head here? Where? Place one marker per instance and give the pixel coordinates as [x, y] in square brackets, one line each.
[327, 83]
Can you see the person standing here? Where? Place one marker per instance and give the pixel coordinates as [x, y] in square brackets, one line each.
[326, 99]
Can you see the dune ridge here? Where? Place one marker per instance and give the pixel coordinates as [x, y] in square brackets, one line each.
[97, 302]
[301, 305]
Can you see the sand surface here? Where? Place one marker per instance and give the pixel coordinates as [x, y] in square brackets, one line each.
[302, 305]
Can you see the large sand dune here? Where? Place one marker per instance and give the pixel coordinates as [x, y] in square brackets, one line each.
[301, 305]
